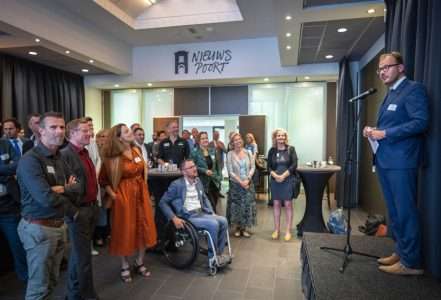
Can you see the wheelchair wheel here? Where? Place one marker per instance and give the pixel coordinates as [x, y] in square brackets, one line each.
[212, 271]
[181, 246]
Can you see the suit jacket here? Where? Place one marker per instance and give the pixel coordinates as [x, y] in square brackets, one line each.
[404, 115]
[172, 202]
[199, 159]
[75, 165]
[9, 203]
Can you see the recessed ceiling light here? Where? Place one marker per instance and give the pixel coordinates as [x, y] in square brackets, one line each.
[37, 40]
[209, 29]
[116, 85]
[329, 56]
[84, 70]
[288, 34]
[266, 79]
[342, 29]
[91, 61]
[32, 53]
[307, 77]
[163, 90]
[288, 47]
[288, 17]
[149, 84]
[371, 11]
[67, 51]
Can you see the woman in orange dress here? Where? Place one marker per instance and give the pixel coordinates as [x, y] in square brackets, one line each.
[124, 176]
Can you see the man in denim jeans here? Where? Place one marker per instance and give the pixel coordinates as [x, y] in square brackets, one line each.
[10, 207]
[46, 192]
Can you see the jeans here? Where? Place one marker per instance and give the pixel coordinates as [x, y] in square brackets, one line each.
[217, 227]
[80, 275]
[8, 225]
[44, 248]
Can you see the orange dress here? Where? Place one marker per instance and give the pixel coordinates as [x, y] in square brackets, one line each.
[132, 222]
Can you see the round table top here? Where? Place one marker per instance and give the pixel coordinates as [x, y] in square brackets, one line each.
[327, 168]
[156, 173]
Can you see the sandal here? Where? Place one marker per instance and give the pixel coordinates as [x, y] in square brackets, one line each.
[125, 275]
[141, 269]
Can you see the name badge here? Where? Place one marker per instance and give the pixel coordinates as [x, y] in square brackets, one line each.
[50, 170]
[4, 156]
[181, 144]
[137, 159]
[392, 107]
[166, 144]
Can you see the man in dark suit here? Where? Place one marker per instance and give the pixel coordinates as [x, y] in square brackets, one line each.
[75, 155]
[11, 128]
[402, 121]
[10, 207]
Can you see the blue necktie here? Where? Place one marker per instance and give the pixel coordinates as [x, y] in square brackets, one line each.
[16, 147]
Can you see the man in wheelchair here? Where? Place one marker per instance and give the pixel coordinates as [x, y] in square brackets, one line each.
[185, 199]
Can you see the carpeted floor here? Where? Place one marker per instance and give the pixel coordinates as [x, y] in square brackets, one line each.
[362, 279]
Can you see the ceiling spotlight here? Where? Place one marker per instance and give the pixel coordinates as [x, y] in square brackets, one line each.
[149, 84]
[37, 40]
[329, 56]
[163, 90]
[342, 30]
[116, 85]
[307, 77]
[150, 2]
[288, 47]
[32, 53]
[371, 11]
[288, 17]
[67, 51]
[288, 34]
[209, 29]
[266, 79]
[84, 70]
[91, 61]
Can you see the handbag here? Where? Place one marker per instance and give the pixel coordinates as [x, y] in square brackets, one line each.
[296, 185]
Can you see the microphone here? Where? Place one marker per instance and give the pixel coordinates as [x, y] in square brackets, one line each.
[362, 95]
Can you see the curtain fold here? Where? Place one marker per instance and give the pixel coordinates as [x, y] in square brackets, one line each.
[345, 188]
[28, 87]
[412, 28]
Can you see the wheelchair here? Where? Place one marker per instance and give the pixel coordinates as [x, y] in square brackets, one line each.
[181, 247]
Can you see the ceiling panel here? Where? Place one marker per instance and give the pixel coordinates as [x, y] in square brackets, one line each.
[361, 34]
[54, 59]
[311, 3]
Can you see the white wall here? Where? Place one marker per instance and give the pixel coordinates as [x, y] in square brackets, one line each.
[94, 107]
[250, 58]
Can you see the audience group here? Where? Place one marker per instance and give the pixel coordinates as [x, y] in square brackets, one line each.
[64, 186]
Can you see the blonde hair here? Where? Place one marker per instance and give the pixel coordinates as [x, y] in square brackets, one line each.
[251, 136]
[232, 138]
[274, 136]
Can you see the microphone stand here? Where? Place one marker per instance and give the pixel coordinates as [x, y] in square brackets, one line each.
[347, 250]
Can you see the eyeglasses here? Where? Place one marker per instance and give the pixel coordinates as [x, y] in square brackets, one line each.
[385, 68]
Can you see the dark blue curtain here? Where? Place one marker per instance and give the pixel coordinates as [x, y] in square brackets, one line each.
[345, 188]
[27, 87]
[413, 28]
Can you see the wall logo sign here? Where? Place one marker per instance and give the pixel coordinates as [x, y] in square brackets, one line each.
[200, 62]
